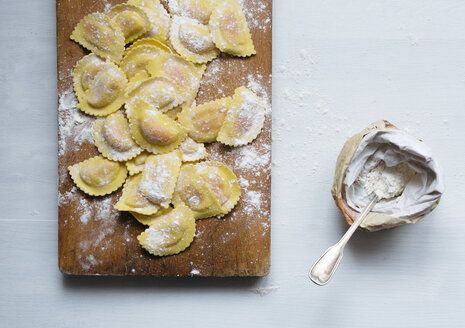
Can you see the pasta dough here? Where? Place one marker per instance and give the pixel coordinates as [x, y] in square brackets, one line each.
[229, 29]
[99, 86]
[192, 40]
[171, 233]
[97, 33]
[154, 131]
[113, 138]
[192, 151]
[98, 176]
[158, 16]
[205, 121]
[158, 92]
[199, 10]
[244, 120]
[133, 200]
[132, 20]
[185, 74]
[192, 190]
[159, 177]
[161, 44]
[137, 59]
[222, 182]
[136, 165]
[150, 219]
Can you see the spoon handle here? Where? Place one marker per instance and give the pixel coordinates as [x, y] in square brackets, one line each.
[324, 268]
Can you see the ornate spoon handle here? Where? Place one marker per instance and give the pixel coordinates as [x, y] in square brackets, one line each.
[324, 268]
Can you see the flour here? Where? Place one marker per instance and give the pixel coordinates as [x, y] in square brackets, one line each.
[156, 239]
[263, 291]
[385, 182]
[73, 125]
[194, 272]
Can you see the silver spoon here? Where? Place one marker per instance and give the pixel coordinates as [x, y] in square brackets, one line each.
[324, 268]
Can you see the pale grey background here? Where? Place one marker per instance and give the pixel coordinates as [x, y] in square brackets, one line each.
[338, 65]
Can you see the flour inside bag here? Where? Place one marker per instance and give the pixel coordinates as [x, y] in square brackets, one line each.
[392, 164]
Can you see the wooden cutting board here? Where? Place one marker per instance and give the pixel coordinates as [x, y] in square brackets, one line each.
[95, 239]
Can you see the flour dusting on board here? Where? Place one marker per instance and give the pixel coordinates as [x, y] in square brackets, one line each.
[74, 127]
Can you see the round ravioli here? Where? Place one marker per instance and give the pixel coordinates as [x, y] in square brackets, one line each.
[192, 151]
[157, 92]
[113, 137]
[154, 131]
[133, 200]
[159, 177]
[131, 19]
[99, 86]
[150, 219]
[229, 29]
[244, 120]
[97, 33]
[161, 44]
[192, 190]
[137, 164]
[199, 10]
[192, 40]
[205, 121]
[98, 176]
[223, 183]
[158, 16]
[171, 233]
[135, 62]
[185, 74]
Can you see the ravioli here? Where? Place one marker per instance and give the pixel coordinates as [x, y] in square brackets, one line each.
[223, 183]
[192, 40]
[113, 138]
[161, 44]
[185, 74]
[131, 19]
[99, 86]
[158, 92]
[98, 176]
[133, 200]
[229, 29]
[150, 219]
[97, 33]
[136, 61]
[205, 121]
[192, 151]
[173, 112]
[137, 164]
[199, 10]
[158, 16]
[159, 177]
[192, 190]
[154, 131]
[244, 120]
[171, 233]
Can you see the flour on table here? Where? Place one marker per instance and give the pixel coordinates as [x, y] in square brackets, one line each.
[263, 291]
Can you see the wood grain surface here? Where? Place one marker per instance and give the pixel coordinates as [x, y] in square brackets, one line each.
[95, 239]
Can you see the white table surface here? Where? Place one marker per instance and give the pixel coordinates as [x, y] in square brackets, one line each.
[338, 65]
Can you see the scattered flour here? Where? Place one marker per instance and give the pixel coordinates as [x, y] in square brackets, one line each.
[194, 272]
[263, 291]
[73, 125]
[249, 157]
